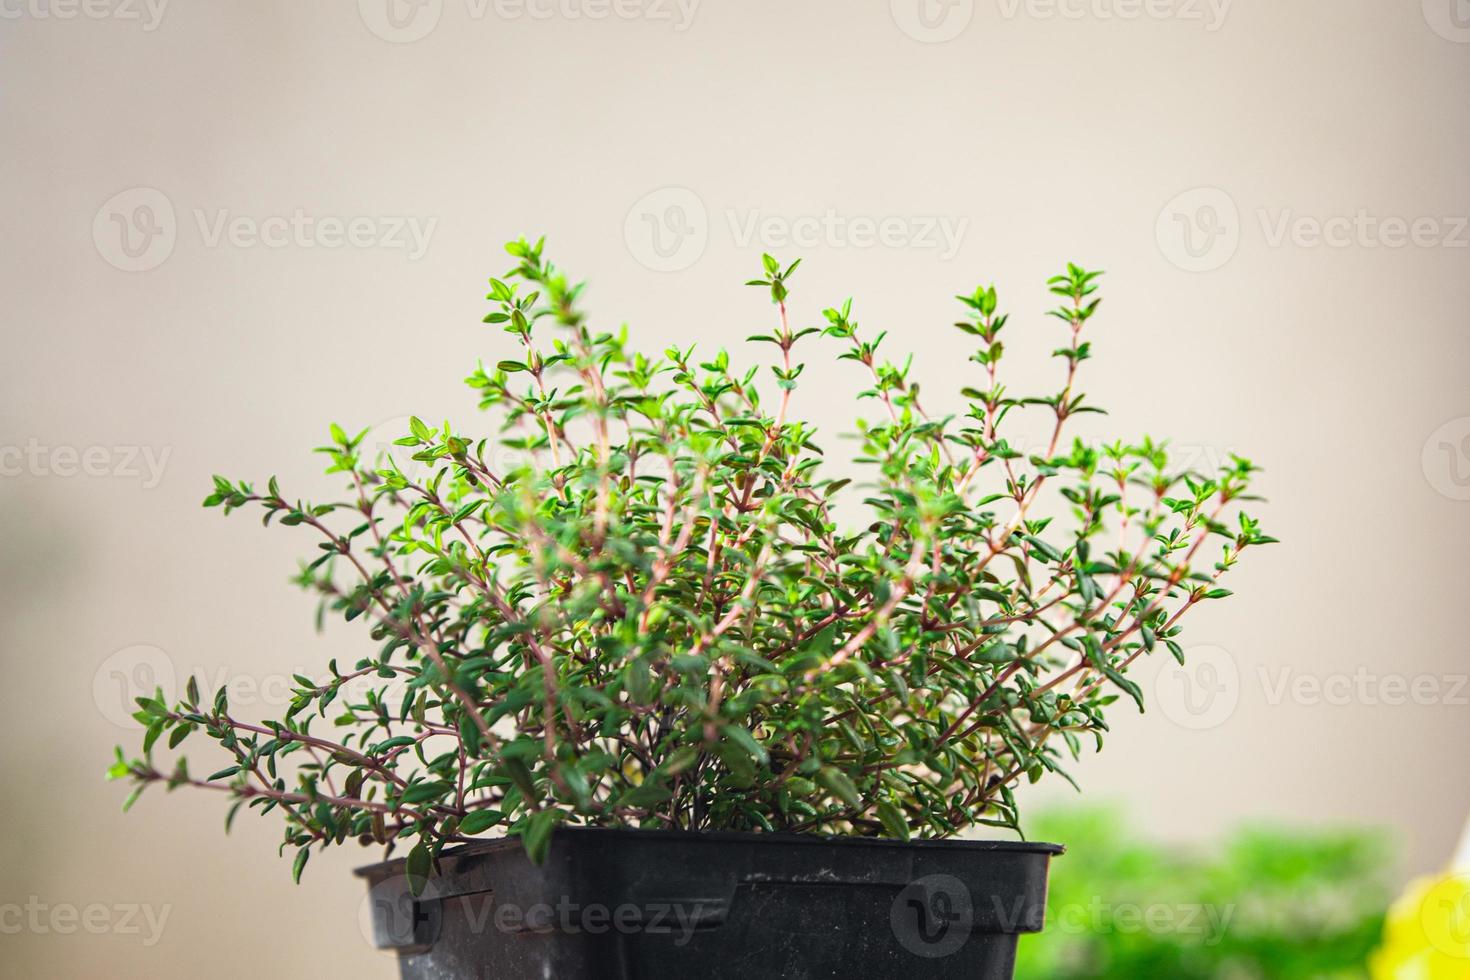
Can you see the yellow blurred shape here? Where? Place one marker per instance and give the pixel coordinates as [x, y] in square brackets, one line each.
[1427, 934]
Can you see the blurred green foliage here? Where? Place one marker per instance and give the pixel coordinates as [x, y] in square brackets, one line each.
[1266, 903]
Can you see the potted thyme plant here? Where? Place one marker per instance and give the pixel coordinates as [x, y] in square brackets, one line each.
[641, 704]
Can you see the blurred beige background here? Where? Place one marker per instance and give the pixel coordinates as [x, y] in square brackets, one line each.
[227, 224]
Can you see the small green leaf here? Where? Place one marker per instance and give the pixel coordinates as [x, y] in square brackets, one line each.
[423, 792]
[681, 759]
[742, 737]
[299, 863]
[396, 742]
[837, 782]
[537, 835]
[478, 821]
[417, 867]
[1042, 548]
[648, 793]
[893, 820]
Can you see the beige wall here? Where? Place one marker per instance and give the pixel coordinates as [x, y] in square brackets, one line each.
[1038, 138]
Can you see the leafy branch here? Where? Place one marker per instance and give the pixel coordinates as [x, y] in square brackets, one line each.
[653, 617]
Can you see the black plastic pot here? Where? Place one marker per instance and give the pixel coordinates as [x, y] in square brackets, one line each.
[656, 905]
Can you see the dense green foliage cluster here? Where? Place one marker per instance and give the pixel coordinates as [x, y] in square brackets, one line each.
[655, 619]
[1266, 904]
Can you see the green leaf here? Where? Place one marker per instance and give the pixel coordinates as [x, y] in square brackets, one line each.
[422, 792]
[521, 776]
[301, 855]
[649, 793]
[537, 835]
[1042, 548]
[679, 760]
[1129, 688]
[151, 735]
[397, 742]
[893, 820]
[478, 821]
[417, 867]
[837, 782]
[740, 736]
[638, 680]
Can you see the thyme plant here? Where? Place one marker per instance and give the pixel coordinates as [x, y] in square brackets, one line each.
[655, 620]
